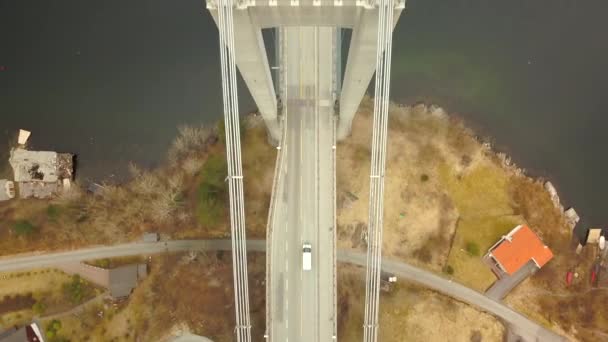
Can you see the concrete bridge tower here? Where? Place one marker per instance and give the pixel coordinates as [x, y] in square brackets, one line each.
[251, 16]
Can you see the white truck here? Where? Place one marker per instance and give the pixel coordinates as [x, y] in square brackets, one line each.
[306, 256]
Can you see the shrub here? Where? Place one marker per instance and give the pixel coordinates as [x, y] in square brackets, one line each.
[53, 212]
[472, 248]
[39, 308]
[51, 331]
[104, 263]
[24, 228]
[424, 178]
[449, 269]
[75, 289]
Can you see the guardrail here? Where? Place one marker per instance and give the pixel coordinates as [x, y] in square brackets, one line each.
[335, 228]
[270, 229]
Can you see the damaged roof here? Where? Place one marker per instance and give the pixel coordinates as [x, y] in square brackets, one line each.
[41, 166]
[34, 165]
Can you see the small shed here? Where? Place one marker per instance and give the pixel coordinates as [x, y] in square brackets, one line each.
[150, 237]
[122, 280]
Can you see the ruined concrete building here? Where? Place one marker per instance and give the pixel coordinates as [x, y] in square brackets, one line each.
[41, 174]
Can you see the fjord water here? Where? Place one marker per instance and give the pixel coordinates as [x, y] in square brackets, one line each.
[111, 81]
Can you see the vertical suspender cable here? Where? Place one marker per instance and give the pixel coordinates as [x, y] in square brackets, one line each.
[378, 163]
[235, 176]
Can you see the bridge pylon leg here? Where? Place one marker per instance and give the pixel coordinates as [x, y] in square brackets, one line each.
[360, 66]
[252, 62]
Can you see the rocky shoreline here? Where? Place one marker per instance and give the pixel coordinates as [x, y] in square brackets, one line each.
[569, 213]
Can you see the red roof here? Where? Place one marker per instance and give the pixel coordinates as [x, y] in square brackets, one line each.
[518, 247]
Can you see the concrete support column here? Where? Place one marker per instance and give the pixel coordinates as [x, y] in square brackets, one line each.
[360, 66]
[252, 62]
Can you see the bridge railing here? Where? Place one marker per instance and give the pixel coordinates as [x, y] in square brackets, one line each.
[369, 4]
[270, 228]
[335, 228]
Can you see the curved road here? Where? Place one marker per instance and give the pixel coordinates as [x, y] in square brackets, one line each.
[521, 325]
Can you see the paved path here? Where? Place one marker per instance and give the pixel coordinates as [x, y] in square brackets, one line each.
[521, 325]
[78, 309]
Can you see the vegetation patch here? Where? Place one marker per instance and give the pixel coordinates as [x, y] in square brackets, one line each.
[53, 212]
[24, 228]
[161, 302]
[485, 207]
[110, 263]
[212, 193]
[53, 328]
[77, 290]
[472, 248]
[410, 313]
[259, 160]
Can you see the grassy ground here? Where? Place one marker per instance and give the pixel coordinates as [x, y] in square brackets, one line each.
[410, 313]
[258, 167]
[466, 265]
[419, 217]
[545, 297]
[181, 293]
[443, 193]
[485, 214]
[49, 291]
[448, 199]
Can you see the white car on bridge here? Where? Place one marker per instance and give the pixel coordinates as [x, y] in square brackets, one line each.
[306, 256]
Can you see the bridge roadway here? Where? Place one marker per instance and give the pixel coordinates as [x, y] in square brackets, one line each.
[519, 324]
[302, 302]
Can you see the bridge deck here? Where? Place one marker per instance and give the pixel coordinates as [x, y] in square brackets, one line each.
[302, 302]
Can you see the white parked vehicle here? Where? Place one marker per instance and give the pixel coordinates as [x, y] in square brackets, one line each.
[306, 256]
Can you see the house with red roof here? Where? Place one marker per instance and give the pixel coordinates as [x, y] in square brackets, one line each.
[515, 250]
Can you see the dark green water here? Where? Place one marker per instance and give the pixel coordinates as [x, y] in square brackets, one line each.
[112, 80]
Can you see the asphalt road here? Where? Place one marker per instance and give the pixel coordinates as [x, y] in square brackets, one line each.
[302, 305]
[39, 260]
[520, 324]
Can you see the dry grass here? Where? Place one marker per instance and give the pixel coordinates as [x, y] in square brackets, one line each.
[444, 191]
[469, 269]
[180, 293]
[45, 286]
[410, 313]
[574, 310]
[485, 210]
[116, 262]
[161, 200]
[446, 194]
[420, 215]
[258, 168]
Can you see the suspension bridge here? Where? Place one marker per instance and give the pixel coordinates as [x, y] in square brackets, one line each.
[307, 108]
